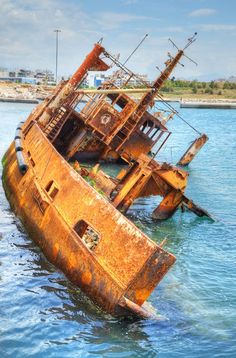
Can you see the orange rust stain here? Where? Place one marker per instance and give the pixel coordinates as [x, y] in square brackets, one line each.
[168, 205]
[86, 277]
[124, 261]
[141, 295]
[72, 262]
[55, 250]
[193, 149]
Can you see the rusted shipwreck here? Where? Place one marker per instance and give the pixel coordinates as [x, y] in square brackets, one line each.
[75, 213]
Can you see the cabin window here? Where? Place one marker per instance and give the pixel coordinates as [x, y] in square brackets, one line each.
[80, 106]
[146, 126]
[108, 100]
[154, 133]
[150, 129]
[117, 107]
[87, 234]
[51, 189]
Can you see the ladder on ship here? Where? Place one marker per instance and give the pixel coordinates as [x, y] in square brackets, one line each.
[123, 134]
[126, 130]
[54, 126]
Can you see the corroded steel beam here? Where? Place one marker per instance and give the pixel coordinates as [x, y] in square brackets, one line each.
[91, 61]
[115, 90]
[196, 209]
[192, 150]
[168, 181]
[116, 128]
[147, 98]
[168, 205]
[172, 201]
[138, 109]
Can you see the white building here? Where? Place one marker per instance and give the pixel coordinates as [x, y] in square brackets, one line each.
[95, 79]
[121, 78]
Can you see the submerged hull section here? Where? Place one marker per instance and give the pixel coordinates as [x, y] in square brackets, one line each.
[121, 267]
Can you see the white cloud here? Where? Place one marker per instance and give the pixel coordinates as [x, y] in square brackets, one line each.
[218, 27]
[27, 37]
[130, 2]
[202, 12]
[173, 29]
[28, 40]
[112, 20]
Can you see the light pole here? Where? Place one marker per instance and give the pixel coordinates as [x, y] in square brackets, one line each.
[57, 32]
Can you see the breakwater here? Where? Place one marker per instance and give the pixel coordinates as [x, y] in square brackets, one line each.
[208, 104]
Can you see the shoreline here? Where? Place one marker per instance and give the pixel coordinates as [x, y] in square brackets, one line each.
[32, 94]
[214, 104]
[23, 93]
[19, 100]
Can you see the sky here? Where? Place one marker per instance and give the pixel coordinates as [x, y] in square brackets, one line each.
[27, 37]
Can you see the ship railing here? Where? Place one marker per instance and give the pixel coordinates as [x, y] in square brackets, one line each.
[166, 137]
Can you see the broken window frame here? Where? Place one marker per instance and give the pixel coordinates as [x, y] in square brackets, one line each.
[83, 229]
[51, 189]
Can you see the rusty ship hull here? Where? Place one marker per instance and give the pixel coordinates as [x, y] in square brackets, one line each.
[123, 269]
[76, 214]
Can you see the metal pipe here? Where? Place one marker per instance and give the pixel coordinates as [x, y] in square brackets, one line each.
[114, 90]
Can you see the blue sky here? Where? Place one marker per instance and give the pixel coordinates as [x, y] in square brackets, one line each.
[27, 38]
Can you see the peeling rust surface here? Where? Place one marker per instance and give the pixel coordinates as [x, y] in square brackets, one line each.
[74, 211]
[122, 251]
[192, 150]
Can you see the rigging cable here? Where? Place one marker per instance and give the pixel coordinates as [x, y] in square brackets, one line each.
[140, 43]
[125, 69]
[176, 112]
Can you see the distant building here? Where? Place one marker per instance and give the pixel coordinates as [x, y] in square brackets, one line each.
[120, 78]
[25, 73]
[28, 80]
[4, 72]
[27, 76]
[95, 79]
[44, 76]
[12, 74]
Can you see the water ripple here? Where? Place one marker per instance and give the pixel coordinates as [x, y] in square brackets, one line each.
[44, 315]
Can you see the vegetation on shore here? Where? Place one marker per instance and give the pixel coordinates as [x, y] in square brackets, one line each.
[199, 90]
[181, 89]
[173, 89]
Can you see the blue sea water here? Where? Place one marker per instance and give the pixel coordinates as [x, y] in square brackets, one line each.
[44, 315]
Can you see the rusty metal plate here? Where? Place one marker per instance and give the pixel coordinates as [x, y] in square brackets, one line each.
[105, 120]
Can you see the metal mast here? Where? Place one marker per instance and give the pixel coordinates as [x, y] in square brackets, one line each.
[57, 32]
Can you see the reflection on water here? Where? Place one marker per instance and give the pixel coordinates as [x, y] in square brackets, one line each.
[44, 315]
